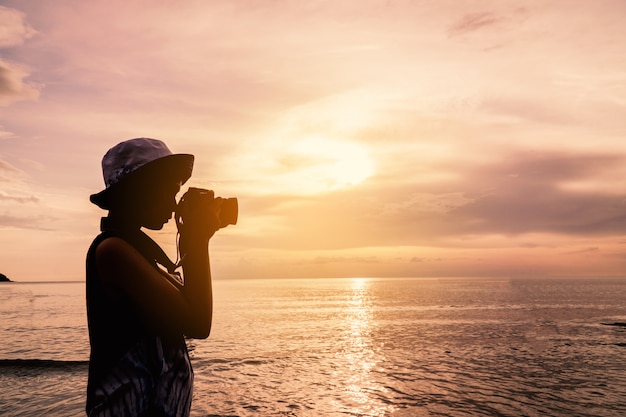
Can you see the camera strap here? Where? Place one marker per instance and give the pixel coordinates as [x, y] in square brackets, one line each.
[142, 242]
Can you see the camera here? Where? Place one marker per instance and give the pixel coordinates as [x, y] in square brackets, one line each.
[197, 200]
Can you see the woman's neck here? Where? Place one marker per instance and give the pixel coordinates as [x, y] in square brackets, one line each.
[114, 221]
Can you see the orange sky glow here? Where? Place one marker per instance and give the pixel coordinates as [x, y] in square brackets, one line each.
[362, 138]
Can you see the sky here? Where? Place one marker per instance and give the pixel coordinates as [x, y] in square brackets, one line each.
[362, 138]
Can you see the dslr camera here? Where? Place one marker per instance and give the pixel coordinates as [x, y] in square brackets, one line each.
[197, 200]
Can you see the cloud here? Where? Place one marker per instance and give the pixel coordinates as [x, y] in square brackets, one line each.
[15, 197]
[517, 195]
[523, 194]
[35, 222]
[13, 28]
[5, 134]
[490, 29]
[343, 259]
[9, 175]
[533, 193]
[7, 168]
[13, 32]
[474, 21]
[18, 199]
[13, 87]
[581, 251]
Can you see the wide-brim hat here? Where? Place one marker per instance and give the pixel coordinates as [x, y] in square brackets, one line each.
[141, 157]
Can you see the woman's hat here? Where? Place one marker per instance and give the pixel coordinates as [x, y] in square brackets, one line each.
[139, 157]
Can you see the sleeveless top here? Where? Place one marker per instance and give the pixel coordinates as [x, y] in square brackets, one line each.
[132, 372]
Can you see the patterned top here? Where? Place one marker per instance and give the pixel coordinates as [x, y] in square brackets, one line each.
[132, 372]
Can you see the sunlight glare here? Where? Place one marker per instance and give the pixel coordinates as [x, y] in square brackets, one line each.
[317, 164]
[358, 283]
[361, 351]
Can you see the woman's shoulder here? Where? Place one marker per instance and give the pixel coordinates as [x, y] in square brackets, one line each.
[114, 244]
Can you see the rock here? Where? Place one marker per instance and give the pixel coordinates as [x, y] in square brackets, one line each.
[3, 278]
[617, 323]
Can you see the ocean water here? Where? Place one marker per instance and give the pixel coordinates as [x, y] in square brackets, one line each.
[353, 347]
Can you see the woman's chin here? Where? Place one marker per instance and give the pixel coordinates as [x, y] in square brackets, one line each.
[156, 225]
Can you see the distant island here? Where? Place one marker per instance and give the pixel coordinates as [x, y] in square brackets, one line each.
[3, 278]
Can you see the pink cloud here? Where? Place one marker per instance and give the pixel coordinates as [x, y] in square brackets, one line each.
[13, 27]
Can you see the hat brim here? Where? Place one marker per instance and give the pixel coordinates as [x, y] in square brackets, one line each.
[177, 167]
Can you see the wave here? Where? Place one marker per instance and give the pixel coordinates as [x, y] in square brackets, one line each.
[42, 364]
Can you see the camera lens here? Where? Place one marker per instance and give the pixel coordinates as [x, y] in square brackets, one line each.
[229, 211]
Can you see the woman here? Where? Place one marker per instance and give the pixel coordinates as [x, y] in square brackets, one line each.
[138, 307]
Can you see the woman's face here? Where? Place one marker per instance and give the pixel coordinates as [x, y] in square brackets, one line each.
[159, 204]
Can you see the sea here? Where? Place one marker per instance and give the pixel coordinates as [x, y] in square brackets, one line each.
[352, 347]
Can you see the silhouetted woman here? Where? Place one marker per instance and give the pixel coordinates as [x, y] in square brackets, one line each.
[139, 308]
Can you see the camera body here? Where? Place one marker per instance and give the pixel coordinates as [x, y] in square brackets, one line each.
[197, 201]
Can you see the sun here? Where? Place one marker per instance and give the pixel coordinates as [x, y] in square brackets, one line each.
[316, 164]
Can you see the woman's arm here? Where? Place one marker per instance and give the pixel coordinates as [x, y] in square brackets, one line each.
[198, 288]
[166, 308]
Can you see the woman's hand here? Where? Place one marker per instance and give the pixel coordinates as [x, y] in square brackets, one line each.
[197, 214]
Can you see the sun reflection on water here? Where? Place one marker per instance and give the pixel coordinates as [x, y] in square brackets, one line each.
[361, 354]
